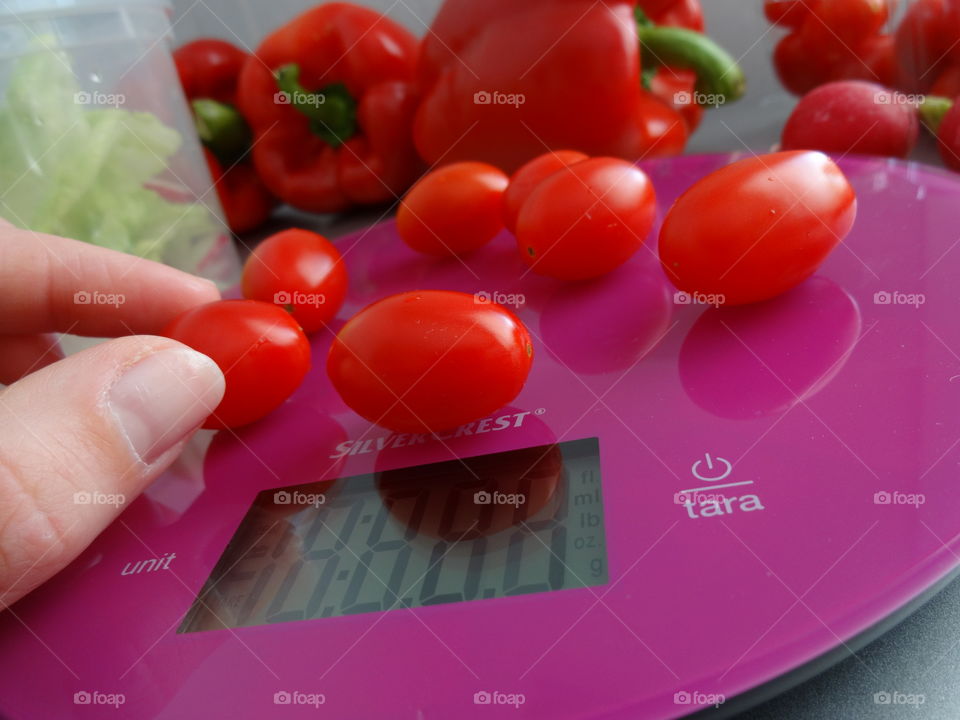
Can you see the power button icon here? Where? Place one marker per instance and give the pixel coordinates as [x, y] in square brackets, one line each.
[711, 469]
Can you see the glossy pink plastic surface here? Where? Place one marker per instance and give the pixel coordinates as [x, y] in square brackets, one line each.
[837, 406]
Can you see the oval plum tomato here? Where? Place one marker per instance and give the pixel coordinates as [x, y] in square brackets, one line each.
[524, 180]
[757, 227]
[301, 271]
[261, 350]
[853, 116]
[586, 221]
[430, 360]
[454, 209]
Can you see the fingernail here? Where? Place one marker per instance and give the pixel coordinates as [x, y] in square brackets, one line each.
[163, 397]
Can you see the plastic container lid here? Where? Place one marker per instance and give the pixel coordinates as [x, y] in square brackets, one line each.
[55, 7]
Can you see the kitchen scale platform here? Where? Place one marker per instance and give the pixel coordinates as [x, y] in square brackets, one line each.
[686, 504]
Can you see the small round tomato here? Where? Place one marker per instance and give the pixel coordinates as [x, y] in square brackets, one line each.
[524, 180]
[301, 271]
[453, 210]
[430, 360]
[586, 221]
[262, 352]
[757, 227]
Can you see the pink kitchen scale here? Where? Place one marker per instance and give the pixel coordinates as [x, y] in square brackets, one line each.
[686, 509]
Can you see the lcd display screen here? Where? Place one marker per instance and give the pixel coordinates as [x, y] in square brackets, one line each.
[492, 526]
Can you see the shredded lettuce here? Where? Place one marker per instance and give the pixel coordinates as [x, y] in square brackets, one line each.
[84, 172]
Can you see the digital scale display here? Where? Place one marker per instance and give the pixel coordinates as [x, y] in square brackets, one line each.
[497, 525]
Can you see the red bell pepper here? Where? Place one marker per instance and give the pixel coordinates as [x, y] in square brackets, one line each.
[330, 99]
[927, 41]
[832, 40]
[504, 80]
[209, 70]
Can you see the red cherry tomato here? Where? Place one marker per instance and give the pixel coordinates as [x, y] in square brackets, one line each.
[757, 227]
[788, 13]
[262, 352]
[453, 210]
[301, 271]
[587, 221]
[524, 180]
[430, 360]
[209, 68]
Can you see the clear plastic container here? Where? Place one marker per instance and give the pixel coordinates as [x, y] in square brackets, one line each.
[97, 141]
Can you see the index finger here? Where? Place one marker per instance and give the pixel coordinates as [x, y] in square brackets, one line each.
[52, 284]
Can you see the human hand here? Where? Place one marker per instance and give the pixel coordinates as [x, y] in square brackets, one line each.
[106, 420]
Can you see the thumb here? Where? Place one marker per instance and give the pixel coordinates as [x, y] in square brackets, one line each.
[82, 437]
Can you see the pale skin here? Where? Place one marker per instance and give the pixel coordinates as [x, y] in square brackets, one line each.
[107, 420]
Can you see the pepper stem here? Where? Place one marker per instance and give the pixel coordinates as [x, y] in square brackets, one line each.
[932, 109]
[222, 130]
[719, 78]
[332, 111]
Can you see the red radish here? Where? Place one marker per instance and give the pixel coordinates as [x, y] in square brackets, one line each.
[853, 116]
